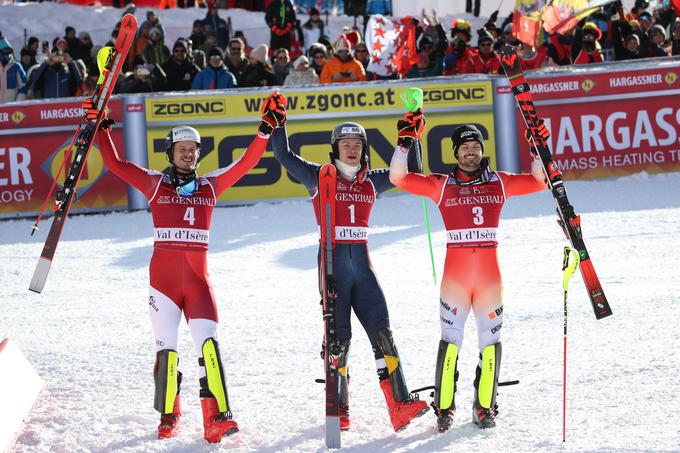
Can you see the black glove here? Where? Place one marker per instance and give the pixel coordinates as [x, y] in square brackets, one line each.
[91, 113]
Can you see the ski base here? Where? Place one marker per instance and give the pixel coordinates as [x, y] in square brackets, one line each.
[332, 432]
[40, 275]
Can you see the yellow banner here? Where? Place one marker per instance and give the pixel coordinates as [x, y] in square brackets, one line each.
[224, 143]
[314, 102]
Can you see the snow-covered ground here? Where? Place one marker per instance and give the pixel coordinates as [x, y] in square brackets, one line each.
[89, 337]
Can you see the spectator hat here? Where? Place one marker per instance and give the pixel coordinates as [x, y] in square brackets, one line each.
[314, 12]
[179, 44]
[215, 51]
[83, 34]
[155, 31]
[5, 44]
[353, 37]
[260, 53]
[632, 37]
[130, 9]
[657, 29]
[645, 15]
[462, 26]
[342, 43]
[591, 29]
[300, 60]
[424, 41]
[485, 36]
[61, 42]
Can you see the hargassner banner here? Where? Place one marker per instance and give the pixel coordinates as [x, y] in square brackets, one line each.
[614, 123]
[228, 123]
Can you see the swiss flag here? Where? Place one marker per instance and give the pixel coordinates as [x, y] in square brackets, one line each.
[391, 44]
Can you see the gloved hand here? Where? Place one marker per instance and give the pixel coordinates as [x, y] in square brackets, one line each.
[273, 113]
[91, 113]
[410, 127]
[542, 131]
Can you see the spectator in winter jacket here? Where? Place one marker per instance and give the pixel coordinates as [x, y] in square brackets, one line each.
[200, 59]
[58, 77]
[301, 74]
[259, 73]
[586, 44]
[559, 50]
[153, 21]
[423, 68]
[246, 47]
[318, 55]
[71, 40]
[485, 61]
[459, 50]
[213, 23]
[626, 43]
[342, 67]
[236, 60]
[280, 18]
[156, 52]
[531, 57]
[179, 70]
[656, 44]
[215, 75]
[198, 34]
[312, 30]
[281, 65]
[12, 75]
[675, 37]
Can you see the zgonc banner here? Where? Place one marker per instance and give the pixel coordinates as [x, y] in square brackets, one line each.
[33, 141]
[610, 124]
[228, 123]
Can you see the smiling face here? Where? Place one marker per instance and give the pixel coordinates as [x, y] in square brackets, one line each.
[350, 150]
[470, 155]
[185, 156]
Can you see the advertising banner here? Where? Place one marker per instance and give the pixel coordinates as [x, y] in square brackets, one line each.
[610, 124]
[34, 139]
[228, 123]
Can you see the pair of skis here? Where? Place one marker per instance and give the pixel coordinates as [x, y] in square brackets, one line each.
[111, 61]
[568, 219]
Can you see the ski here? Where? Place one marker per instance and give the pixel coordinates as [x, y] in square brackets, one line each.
[111, 61]
[327, 186]
[568, 219]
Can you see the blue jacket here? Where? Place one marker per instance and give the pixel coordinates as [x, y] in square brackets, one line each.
[211, 79]
[56, 83]
[12, 81]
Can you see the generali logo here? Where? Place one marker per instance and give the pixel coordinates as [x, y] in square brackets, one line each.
[587, 85]
[670, 78]
[18, 116]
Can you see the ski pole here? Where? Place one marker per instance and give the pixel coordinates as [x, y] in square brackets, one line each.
[568, 270]
[413, 100]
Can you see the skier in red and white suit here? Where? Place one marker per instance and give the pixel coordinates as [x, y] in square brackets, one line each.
[181, 207]
[470, 199]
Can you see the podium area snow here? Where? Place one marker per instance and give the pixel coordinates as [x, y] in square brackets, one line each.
[88, 335]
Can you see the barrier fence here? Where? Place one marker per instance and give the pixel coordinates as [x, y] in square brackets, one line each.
[606, 120]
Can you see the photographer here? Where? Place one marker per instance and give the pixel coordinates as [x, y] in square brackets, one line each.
[58, 77]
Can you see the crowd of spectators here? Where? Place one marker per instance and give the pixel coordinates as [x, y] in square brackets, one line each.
[214, 56]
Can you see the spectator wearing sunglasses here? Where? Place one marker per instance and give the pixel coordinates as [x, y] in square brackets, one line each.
[179, 70]
[318, 57]
[342, 67]
[281, 65]
[485, 61]
[12, 75]
[236, 59]
[215, 76]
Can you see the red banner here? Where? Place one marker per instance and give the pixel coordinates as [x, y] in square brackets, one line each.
[33, 141]
[610, 124]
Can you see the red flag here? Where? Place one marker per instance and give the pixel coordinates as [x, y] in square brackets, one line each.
[391, 45]
[676, 7]
[526, 21]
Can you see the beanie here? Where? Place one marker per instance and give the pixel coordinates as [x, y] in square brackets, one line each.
[260, 53]
[466, 133]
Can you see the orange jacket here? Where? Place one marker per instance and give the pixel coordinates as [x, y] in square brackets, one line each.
[335, 66]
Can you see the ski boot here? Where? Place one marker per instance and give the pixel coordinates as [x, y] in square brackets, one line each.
[402, 406]
[216, 424]
[217, 417]
[167, 380]
[485, 409]
[446, 377]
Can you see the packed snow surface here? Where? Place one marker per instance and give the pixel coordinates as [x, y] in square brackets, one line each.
[89, 337]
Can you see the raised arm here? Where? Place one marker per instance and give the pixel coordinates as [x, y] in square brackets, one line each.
[273, 116]
[304, 171]
[410, 128]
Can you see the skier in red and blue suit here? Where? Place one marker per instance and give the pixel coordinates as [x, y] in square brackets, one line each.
[356, 284]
